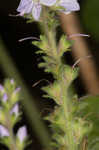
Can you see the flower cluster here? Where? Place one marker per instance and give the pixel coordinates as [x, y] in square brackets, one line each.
[10, 115]
[34, 7]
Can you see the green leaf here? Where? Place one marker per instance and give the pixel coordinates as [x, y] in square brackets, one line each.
[88, 109]
[9, 88]
[68, 74]
[63, 45]
[54, 91]
[42, 44]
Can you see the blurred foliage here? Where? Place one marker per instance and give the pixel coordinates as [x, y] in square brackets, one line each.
[10, 71]
[90, 14]
[88, 110]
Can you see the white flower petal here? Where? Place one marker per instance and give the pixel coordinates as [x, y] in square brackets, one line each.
[28, 10]
[1, 88]
[17, 90]
[48, 2]
[22, 134]
[15, 110]
[5, 97]
[12, 81]
[3, 131]
[36, 11]
[25, 6]
[69, 5]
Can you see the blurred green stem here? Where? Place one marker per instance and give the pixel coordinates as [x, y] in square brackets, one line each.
[12, 145]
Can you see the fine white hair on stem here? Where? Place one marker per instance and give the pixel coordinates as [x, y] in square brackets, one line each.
[11, 15]
[80, 59]
[35, 84]
[29, 38]
[78, 34]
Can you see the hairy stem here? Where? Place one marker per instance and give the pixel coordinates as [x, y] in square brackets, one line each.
[13, 145]
[69, 138]
[68, 119]
[50, 34]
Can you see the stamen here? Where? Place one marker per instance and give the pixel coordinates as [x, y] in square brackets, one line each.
[78, 34]
[14, 15]
[29, 38]
[35, 84]
[80, 59]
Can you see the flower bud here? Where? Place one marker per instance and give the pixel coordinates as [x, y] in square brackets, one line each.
[22, 134]
[3, 131]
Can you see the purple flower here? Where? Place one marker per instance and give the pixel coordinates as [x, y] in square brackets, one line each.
[15, 110]
[17, 90]
[69, 5]
[3, 131]
[33, 7]
[48, 2]
[5, 97]
[1, 88]
[12, 81]
[22, 134]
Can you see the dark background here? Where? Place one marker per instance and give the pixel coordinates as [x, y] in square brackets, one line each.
[23, 53]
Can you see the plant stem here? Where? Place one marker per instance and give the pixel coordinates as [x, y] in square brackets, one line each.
[70, 141]
[50, 34]
[13, 145]
[68, 119]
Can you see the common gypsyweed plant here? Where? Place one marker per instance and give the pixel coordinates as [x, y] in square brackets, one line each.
[74, 123]
[10, 115]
